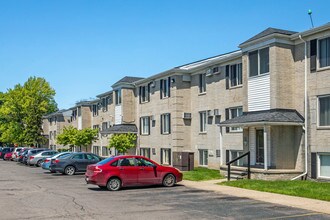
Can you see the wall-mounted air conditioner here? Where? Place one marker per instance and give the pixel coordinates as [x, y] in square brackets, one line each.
[216, 112]
[186, 115]
[209, 113]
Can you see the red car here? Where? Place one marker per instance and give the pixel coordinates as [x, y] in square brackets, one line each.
[8, 156]
[121, 171]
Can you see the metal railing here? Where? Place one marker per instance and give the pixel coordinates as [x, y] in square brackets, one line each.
[236, 159]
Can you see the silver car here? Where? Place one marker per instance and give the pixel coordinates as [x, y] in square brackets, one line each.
[37, 159]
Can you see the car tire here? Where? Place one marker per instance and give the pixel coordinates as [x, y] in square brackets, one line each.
[70, 170]
[114, 184]
[169, 180]
[38, 164]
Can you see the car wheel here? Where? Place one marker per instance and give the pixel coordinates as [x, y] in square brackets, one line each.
[39, 163]
[114, 184]
[169, 180]
[70, 170]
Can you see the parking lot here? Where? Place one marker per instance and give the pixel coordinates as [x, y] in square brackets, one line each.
[31, 193]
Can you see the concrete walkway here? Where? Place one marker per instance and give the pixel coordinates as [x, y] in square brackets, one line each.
[297, 202]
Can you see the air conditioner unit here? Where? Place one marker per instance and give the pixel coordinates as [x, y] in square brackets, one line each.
[152, 117]
[216, 112]
[186, 78]
[209, 113]
[209, 72]
[186, 115]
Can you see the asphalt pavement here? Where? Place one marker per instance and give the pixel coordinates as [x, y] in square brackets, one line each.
[32, 193]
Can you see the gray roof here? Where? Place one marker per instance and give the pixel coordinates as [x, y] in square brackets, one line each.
[269, 31]
[129, 79]
[120, 129]
[268, 116]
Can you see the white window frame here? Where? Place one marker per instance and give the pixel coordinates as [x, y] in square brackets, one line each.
[166, 86]
[202, 83]
[144, 93]
[96, 150]
[263, 74]
[145, 125]
[318, 54]
[145, 151]
[205, 155]
[165, 125]
[235, 129]
[319, 166]
[202, 121]
[239, 68]
[118, 97]
[318, 112]
[166, 156]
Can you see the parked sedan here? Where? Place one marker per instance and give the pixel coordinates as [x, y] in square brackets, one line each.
[75, 162]
[120, 171]
[31, 152]
[47, 161]
[8, 156]
[37, 159]
[4, 151]
[21, 155]
[15, 153]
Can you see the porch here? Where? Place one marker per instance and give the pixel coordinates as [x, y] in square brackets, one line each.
[274, 139]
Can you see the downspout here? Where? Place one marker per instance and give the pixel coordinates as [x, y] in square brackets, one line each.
[306, 116]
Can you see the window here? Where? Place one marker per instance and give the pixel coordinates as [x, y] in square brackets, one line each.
[105, 103]
[96, 150]
[236, 75]
[145, 93]
[165, 123]
[54, 135]
[79, 111]
[145, 125]
[324, 111]
[324, 161]
[165, 156]
[202, 83]
[78, 157]
[235, 112]
[50, 135]
[215, 69]
[217, 152]
[324, 54]
[127, 162]
[51, 121]
[144, 163]
[95, 126]
[55, 120]
[202, 121]
[74, 115]
[104, 126]
[145, 152]
[203, 157]
[259, 62]
[95, 110]
[165, 87]
[105, 151]
[118, 97]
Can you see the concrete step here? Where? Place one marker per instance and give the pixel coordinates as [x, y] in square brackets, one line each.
[236, 177]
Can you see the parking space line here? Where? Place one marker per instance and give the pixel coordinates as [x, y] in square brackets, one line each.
[295, 216]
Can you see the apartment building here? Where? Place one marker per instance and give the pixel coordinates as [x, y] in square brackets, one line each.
[216, 109]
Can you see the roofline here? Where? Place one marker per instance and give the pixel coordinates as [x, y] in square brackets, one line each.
[264, 38]
[310, 31]
[248, 124]
[104, 94]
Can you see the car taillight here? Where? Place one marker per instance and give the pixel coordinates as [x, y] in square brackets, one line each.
[97, 170]
[56, 161]
[31, 157]
[20, 157]
[47, 160]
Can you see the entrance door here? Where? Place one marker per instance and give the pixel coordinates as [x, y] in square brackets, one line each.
[260, 147]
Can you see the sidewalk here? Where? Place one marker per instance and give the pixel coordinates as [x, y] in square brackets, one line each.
[297, 202]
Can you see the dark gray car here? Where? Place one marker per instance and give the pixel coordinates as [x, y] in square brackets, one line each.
[75, 162]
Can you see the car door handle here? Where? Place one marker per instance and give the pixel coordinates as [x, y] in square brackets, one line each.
[141, 168]
[121, 168]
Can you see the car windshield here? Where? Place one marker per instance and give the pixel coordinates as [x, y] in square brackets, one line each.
[105, 161]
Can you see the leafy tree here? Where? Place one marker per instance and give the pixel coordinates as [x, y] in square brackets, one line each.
[67, 136]
[123, 142]
[21, 111]
[74, 137]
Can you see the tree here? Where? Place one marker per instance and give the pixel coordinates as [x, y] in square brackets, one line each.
[123, 142]
[67, 136]
[74, 137]
[21, 111]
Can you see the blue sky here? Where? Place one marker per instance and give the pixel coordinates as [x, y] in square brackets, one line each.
[83, 47]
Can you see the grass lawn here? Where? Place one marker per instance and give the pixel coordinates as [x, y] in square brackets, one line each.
[202, 174]
[308, 189]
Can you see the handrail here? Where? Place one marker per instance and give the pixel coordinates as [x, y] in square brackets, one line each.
[236, 159]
